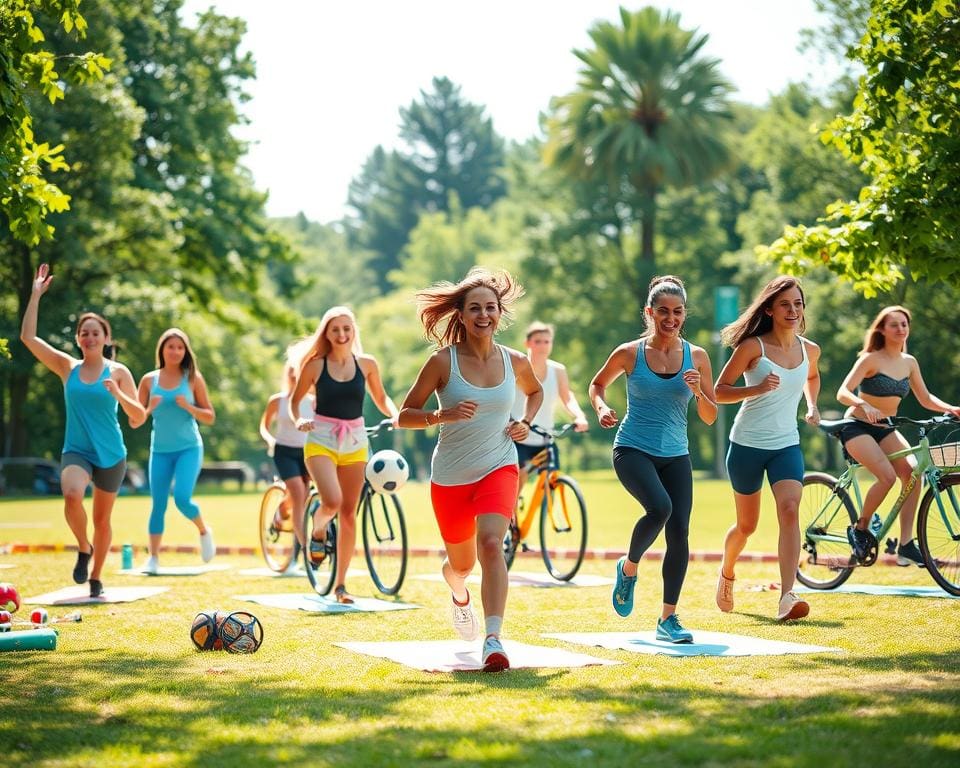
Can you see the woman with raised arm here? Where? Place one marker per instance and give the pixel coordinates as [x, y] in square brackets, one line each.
[474, 469]
[334, 368]
[650, 452]
[175, 395]
[883, 375]
[778, 367]
[93, 447]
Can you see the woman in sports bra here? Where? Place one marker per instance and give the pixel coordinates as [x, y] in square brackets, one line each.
[779, 367]
[93, 447]
[882, 376]
[175, 395]
[473, 478]
[335, 369]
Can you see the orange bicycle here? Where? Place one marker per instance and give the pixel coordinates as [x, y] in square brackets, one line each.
[563, 513]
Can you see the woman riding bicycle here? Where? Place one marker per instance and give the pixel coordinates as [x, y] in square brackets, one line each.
[334, 367]
[882, 376]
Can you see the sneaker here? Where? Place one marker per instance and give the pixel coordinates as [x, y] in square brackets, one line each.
[859, 542]
[671, 631]
[80, 570]
[494, 657]
[464, 619]
[96, 587]
[623, 590]
[724, 593]
[909, 554]
[318, 551]
[792, 607]
[207, 548]
[151, 566]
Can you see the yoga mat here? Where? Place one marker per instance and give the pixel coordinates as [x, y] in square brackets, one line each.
[462, 656]
[532, 579]
[4, 566]
[879, 589]
[80, 595]
[313, 603]
[177, 570]
[704, 644]
[297, 573]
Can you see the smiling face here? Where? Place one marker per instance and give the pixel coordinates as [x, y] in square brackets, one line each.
[92, 337]
[786, 309]
[172, 352]
[340, 332]
[666, 316]
[481, 312]
[895, 329]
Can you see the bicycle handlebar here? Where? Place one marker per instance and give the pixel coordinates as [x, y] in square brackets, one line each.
[891, 421]
[553, 434]
[376, 429]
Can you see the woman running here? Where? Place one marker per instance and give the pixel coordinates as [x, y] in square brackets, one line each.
[93, 447]
[883, 375]
[335, 369]
[778, 367]
[650, 452]
[175, 395]
[474, 469]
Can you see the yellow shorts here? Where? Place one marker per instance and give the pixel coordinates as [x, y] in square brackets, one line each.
[339, 458]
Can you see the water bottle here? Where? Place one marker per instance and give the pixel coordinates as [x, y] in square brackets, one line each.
[126, 555]
[876, 523]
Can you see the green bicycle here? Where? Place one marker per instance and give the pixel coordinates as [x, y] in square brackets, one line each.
[831, 504]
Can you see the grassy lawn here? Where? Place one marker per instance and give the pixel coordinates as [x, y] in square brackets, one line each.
[126, 688]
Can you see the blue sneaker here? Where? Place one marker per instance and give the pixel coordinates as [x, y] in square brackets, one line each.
[623, 590]
[670, 630]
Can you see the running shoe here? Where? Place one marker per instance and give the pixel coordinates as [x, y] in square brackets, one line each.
[724, 593]
[80, 570]
[792, 607]
[671, 631]
[494, 657]
[207, 548]
[151, 566]
[96, 587]
[859, 542]
[318, 551]
[909, 554]
[464, 619]
[623, 590]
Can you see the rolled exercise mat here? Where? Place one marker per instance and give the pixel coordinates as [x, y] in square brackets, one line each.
[44, 639]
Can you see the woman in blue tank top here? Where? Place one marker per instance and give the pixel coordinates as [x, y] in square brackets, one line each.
[93, 446]
[473, 475]
[175, 395]
[779, 367]
[650, 453]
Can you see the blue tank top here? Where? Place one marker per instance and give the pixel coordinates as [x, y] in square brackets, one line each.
[174, 428]
[656, 418]
[93, 430]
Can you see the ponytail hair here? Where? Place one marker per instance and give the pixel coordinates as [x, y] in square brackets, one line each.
[662, 285]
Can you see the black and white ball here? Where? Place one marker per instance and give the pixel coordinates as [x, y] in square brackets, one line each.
[387, 471]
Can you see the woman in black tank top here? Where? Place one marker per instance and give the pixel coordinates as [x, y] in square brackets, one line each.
[332, 363]
[882, 376]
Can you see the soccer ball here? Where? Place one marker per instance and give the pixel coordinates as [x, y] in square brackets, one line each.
[204, 630]
[387, 471]
[241, 632]
[9, 598]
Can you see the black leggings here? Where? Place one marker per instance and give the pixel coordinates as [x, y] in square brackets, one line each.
[664, 487]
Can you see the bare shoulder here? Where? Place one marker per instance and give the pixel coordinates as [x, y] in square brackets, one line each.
[367, 362]
[120, 372]
[698, 353]
[812, 348]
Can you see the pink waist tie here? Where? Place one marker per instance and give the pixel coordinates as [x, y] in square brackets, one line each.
[340, 428]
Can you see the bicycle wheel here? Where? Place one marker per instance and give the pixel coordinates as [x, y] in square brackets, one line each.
[511, 539]
[276, 531]
[563, 528]
[939, 533]
[319, 574]
[384, 539]
[826, 560]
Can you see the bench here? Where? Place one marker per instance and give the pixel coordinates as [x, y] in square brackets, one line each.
[221, 471]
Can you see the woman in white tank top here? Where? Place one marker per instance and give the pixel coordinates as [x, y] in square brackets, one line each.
[779, 367]
[474, 470]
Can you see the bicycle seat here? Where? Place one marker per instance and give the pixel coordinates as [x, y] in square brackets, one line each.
[833, 427]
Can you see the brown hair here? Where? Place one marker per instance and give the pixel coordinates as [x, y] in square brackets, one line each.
[661, 285]
[754, 320]
[874, 339]
[442, 301]
[189, 364]
[108, 348]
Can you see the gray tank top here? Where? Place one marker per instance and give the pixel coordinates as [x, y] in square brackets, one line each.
[467, 451]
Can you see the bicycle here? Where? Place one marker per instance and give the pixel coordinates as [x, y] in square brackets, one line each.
[827, 509]
[563, 513]
[384, 531]
[278, 543]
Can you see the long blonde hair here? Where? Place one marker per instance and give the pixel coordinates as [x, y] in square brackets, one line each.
[874, 338]
[316, 344]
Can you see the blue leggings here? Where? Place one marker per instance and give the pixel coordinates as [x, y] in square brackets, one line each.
[182, 468]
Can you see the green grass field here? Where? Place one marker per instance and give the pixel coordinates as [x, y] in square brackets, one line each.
[126, 688]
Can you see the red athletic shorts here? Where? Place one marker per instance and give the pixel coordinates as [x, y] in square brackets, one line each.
[456, 506]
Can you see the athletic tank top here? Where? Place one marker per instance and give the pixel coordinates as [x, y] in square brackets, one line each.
[881, 385]
[656, 418]
[544, 417]
[93, 430]
[469, 450]
[287, 432]
[769, 421]
[340, 399]
[174, 428]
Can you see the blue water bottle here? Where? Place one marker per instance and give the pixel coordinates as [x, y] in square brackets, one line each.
[126, 555]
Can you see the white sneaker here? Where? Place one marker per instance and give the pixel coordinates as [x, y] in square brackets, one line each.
[792, 607]
[151, 566]
[207, 548]
[465, 620]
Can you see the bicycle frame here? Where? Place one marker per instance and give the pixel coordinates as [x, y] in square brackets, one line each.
[547, 467]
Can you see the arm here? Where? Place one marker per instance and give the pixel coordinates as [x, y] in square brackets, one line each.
[371, 373]
[269, 414]
[432, 377]
[700, 381]
[743, 359]
[120, 385]
[201, 410]
[618, 363]
[811, 387]
[846, 394]
[569, 400]
[923, 395]
[527, 383]
[305, 381]
[143, 394]
[58, 362]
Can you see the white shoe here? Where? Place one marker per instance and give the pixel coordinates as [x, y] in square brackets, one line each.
[207, 548]
[465, 620]
[792, 607]
[151, 566]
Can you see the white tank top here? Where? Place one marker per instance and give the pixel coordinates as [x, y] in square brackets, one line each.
[468, 451]
[287, 432]
[769, 421]
[544, 417]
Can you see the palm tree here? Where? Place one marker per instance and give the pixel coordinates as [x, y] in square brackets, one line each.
[647, 113]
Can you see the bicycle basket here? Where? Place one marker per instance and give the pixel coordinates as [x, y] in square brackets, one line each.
[946, 454]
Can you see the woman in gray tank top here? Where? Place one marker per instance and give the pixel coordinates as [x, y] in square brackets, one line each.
[474, 470]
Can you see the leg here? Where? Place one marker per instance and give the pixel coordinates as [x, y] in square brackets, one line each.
[787, 494]
[493, 588]
[160, 469]
[748, 515]
[867, 452]
[638, 475]
[102, 532]
[73, 483]
[904, 469]
[350, 477]
[677, 479]
[297, 491]
[186, 471]
[324, 474]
